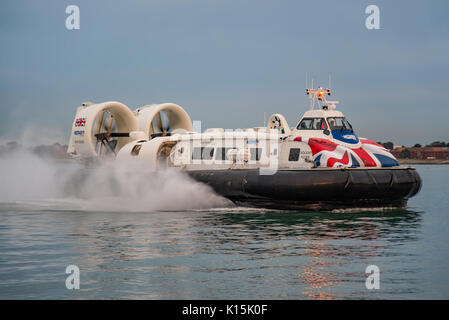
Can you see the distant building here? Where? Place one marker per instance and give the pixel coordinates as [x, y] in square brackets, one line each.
[441, 153]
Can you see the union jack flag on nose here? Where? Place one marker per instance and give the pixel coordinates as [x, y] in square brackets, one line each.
[328, 154]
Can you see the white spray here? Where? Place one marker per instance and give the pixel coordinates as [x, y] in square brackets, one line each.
[112, 186]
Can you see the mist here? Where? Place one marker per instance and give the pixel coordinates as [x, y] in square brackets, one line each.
[109, 186]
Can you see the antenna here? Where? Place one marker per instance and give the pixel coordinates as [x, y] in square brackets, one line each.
[307, 83]
[330, 82]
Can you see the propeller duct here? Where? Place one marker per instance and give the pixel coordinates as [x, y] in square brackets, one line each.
[162, 120]
[101, 129]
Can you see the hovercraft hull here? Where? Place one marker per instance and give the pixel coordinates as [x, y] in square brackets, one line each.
[315, 189]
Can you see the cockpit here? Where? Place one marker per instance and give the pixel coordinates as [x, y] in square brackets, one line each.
[337, 128]
[312, 124]
[335, 123]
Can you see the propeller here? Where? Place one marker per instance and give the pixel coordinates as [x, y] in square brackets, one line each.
[106, 133]
[160, 125]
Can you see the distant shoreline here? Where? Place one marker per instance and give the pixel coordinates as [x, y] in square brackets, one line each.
[426, 161]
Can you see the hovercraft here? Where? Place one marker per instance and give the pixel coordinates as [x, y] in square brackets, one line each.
[320, 164]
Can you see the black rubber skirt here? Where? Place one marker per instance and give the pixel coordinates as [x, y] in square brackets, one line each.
[315, 189]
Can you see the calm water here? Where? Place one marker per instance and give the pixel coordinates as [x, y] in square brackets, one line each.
[229, 253]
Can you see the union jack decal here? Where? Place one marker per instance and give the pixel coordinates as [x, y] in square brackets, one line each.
[80, 122]
[327, 154]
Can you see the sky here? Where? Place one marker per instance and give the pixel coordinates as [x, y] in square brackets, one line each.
[227, 62]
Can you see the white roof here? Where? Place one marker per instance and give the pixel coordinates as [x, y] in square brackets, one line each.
[322, 113]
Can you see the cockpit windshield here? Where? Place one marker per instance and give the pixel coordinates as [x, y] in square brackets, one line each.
[312, 124]
[339, 123]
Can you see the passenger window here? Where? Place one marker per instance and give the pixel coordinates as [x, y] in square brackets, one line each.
[203, 153]
[208, 153]
[294, 154]
[220, 153]
[255, 153]
[196, 155]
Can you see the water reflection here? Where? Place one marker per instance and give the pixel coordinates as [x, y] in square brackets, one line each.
[218, 254]
[326, 245]
[363, 225]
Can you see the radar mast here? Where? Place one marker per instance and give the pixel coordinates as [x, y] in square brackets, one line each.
[318, 97]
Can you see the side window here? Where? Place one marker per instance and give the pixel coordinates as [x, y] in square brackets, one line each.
[294, 154]
[207, 153]
[220, 153]
[203, 153]
[319, 124]
[196, 155]
[339, 124]
[255, 153]
[306, 124]
[312, 124]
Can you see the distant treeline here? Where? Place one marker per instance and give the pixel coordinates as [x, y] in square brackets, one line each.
[389, 145]
[55, 151]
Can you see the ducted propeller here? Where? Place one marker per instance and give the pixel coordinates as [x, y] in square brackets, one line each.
[160, 125]
[102, 129]
[105, 131]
